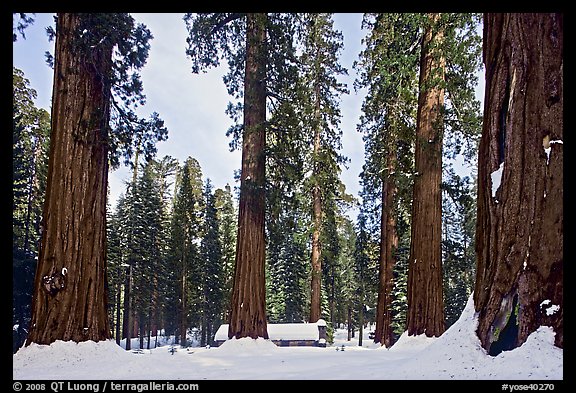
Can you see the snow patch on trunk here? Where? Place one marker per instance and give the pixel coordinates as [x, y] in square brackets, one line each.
[496, 178]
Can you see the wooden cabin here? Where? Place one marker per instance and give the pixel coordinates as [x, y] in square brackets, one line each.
[287, 334]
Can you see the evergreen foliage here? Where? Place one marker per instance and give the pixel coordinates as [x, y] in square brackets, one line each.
[458, 244]
[171, 238]
[128, 133]
[211, 269]
[30, 145]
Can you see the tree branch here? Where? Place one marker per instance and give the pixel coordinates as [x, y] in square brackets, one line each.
[227, 19]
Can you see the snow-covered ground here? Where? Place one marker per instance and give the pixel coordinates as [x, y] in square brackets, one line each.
[456, 355]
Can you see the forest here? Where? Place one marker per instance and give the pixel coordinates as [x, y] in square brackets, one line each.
[175, 255]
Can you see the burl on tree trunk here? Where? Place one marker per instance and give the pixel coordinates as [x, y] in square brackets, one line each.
[69, 291]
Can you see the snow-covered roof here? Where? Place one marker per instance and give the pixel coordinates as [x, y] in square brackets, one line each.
[282, 331]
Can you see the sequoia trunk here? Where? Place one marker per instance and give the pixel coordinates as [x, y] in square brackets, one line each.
[388, 243]
[316, 279]
[248, 305]
[425, 294]
[69, 291]
[519, 233]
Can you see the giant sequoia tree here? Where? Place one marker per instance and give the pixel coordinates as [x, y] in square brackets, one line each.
[320, 118]
[70, 286]
[449, 59]
[210, 33]
[387, 68]
[519, 233]
[425, 296]
[69, 297]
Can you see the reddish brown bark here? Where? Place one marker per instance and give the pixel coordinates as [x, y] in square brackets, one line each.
[248, 305]
[316, 279]
[69, 295]
[519, 234]
[425, 294]
[383, 333]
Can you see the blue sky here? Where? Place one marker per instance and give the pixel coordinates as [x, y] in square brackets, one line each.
[191, 105]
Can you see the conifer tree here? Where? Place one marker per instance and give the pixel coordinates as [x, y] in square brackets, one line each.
[226, 217]
[425, 295]
[115, 270]
[213, 268]
[319, 69]
[31, 130]
[184, 248]
[449, 58]
[458, 256]
[387, 68]
[253, 46]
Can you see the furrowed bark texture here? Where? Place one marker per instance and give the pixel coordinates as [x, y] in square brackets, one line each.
[316, 279]
[519, 234]
[384, 333]
[69, 296]
[425, 294]
[248, 305]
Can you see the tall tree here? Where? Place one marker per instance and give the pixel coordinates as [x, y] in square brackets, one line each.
[212, 301]
[425, 295]
[321, 116]
[115, 255]
[31, 130]
[226, 216]
[69, 292]
[458, 256]
[244, 39]
[184, 248]
[388, 71]
[69, 297]
[519, 232]
[249, 279]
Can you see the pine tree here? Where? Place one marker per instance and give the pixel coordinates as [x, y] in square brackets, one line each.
[211, 256]
[184, 248]
[287, 254]
[458, 256]
[165, 170]
[226, 217]
[519, 231]
[115, 253]
[31, 129]
[149, 248]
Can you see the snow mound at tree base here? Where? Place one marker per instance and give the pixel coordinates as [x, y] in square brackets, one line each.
[247, 345]
[39, 359]
[458, 354]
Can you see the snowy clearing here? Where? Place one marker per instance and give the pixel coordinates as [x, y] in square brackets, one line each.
[456, 355]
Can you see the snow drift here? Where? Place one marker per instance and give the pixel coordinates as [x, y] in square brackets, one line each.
[456, 355]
